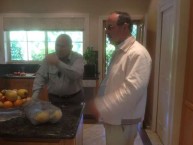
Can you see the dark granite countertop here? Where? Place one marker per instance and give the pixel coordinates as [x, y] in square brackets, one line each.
[21, 127]
[10, 76]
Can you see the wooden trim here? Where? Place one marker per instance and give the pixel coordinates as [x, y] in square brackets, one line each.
[189, 105]
[189, 53]
[187, 109]
[143, 135]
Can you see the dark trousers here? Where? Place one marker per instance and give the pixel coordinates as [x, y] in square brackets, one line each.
[74, 99]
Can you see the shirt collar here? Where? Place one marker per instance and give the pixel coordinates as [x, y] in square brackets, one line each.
[126, 44]
[67, 58]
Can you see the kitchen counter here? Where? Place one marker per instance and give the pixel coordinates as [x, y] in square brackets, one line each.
[68, 129]
[29, 76]
[32, 76]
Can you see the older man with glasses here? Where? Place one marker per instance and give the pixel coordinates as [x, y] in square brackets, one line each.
[121, 100]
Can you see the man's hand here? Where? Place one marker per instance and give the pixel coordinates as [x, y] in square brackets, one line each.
[93, 109]
[52, 59]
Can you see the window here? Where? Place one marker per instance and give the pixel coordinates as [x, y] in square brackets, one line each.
[28, 37]
[34, 45]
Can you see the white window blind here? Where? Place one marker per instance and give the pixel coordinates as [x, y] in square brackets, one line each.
[42, 23]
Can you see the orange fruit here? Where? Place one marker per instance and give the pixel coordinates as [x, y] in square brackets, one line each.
[18, 102]
[1, 104]
[24, 100]
[7, 104]
[28, 98]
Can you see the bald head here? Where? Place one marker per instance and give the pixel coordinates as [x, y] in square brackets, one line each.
[118, 27]
[63, 45]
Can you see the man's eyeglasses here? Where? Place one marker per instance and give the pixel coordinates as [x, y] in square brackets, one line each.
[65, 46]
[109, 28]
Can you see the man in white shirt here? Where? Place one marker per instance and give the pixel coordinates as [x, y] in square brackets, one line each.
[62, 72]
[122, 95]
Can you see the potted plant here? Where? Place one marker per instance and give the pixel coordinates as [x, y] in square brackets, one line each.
[90, 58]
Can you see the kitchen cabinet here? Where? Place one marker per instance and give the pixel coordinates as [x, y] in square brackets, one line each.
[21, 83]
[2, 83]
[92, 84]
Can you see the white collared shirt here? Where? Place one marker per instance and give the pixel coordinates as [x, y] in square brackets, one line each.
[64, 79]
[125, 86]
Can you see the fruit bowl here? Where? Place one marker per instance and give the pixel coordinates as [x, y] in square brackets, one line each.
[13, 99]
[8, 110]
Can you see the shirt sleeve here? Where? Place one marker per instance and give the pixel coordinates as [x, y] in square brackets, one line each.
[126, 96]
[74, 71]
[40, 79]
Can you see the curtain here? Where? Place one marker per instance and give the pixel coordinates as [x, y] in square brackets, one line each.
[42, 23]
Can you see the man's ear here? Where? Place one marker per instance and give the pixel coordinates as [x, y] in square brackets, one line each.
[126, 26]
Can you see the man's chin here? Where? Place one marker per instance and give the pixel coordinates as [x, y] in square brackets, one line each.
[113, 42]
[60, 55]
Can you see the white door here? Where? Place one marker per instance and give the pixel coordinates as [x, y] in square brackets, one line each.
[165, 71]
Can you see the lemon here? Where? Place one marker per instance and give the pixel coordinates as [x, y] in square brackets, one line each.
[42, 117]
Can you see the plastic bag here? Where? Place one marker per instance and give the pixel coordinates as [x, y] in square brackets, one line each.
[7, 114]
[38, 112]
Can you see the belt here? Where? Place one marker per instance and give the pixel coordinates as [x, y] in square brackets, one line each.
[130, 121]
[65, 96]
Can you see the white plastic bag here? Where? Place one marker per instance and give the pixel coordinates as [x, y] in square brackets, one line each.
[38, 112]
[7, 114]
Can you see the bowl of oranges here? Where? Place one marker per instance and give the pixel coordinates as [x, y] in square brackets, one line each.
[13, 98]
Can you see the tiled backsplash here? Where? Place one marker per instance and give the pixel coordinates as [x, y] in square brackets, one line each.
[10, 68]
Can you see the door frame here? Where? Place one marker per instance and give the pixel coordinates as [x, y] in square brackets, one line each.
[181, 12]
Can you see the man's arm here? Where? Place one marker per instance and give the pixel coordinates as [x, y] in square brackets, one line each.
[73, 71]
[130, 91]
[40, 80]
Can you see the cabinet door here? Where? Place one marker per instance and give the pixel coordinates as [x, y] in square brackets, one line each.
[25, 84]
[20, 84]
[44, 94]
[2, 83]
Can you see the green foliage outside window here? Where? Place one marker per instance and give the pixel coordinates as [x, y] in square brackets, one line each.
[16, 53]
[38, 56]
[109, 51]
[34, 45]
